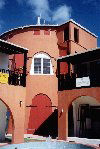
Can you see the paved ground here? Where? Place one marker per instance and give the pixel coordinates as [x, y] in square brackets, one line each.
[91, 142]
[33, 138]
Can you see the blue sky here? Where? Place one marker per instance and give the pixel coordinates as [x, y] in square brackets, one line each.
[15, 13]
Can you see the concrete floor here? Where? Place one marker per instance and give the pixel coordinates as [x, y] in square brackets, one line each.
[91, 142]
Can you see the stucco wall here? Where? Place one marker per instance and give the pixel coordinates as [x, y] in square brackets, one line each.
[86, 40]
[35, 84]
[65, 99]
[11, 96]
[47, 84]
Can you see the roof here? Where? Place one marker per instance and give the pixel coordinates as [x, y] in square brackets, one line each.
[49, 25]
[84, 56]
[79, 25]
[29, 26]
[10, 48]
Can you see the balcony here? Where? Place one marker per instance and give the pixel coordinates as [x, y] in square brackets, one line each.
[67, 82]
[12, 78]
[83, 70]
[10, 70]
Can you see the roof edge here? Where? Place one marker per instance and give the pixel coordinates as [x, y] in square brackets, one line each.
[14, 44]
[48, 25]
[27, 26]
[71, 20]
[89, 50]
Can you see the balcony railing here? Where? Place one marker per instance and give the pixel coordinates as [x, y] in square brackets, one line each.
[67, 82]
[12, 78]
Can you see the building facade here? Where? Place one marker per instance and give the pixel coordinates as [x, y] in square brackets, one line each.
[45, 43]
[78, 96]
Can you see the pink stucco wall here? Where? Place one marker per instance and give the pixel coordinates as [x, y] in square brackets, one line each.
[54, 46]
[86, 40]
[65, 99]
[46, 84]
[11, 96]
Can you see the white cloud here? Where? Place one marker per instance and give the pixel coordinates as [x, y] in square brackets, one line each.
[40, 7]
[58, 15]
[61, 14]
[2, 3]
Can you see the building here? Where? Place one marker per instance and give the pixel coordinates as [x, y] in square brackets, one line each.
[12, 92]
[35, 73]
[79, 92]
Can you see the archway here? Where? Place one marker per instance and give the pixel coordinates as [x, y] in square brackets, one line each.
[5, 115]
[41, 109]
[83, 113]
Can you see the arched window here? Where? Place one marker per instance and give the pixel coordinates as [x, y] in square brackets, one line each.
[41, 65]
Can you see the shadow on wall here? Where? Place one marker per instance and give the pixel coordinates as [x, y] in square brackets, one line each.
[50, 126]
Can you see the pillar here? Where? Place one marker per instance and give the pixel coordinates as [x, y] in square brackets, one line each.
[62, 124]
[18, 133]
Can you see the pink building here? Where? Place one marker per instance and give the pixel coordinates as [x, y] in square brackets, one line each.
[33, 59]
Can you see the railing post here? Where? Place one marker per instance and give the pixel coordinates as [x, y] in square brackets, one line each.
[58, 74]
[24, 69]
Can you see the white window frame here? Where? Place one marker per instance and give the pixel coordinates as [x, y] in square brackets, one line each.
[42, 56]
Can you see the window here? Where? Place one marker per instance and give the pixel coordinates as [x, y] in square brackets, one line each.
[46, 32]
[36, 32]
[66, 34]
[41, 64]
[46, 66]
[37, 65]
[76, 35]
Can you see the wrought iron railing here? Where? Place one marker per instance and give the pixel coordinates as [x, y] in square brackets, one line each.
[68, 82]
[14, 77]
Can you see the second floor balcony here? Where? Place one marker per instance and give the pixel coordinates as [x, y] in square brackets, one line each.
[83, 71]
[12, 78]
[67, 82]
[9, 72]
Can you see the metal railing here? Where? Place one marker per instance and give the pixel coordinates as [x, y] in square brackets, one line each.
[15, 78]
[68, 82]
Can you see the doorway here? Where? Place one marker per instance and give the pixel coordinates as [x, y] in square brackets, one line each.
[83, 118]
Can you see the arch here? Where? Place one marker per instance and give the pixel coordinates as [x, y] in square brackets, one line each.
[80, 96]
[84, 120]
[41, 64]
[42, 52]
[41, 109]
[39, 94]
[71, 96]
[88, 100]
[5, 117]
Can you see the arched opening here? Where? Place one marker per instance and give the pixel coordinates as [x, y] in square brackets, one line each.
[5, 116]
[83, 118]
[43, 120]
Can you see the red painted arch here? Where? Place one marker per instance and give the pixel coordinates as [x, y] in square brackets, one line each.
[41, 108]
